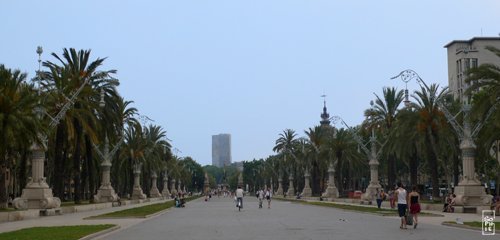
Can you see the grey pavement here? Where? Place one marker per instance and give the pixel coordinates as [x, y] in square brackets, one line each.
[219, 219]
[76, 219]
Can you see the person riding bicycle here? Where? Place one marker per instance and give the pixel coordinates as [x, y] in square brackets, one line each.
[239, 196]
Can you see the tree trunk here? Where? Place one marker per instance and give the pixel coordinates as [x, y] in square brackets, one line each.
[3, 190]
[433, 164]
[76, 162]
[316, 178]
[391, 170]
[59, 162]
[90, 167]
[413, 169]
[22, 170]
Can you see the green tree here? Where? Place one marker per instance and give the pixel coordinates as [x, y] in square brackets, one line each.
[431, 122]
[18, 121]
[384, 115]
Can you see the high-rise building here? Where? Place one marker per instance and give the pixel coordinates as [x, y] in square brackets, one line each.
[466, 54]
[221, 150]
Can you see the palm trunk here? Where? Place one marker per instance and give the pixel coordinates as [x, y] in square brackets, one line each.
[316, 178]
[90, 166]
[391, 170]
[413, 169]
[3, 189]
[433, 164]
[59, 162]
[76, 163]
[22, 169]
[338, 172]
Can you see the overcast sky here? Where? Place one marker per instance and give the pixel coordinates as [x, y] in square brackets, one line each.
[248, 68]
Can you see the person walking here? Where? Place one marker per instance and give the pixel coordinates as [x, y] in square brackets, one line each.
[391, 198]
[260, 196]
[268, 197]
[402, 197]
[414, 205]
[378, 197]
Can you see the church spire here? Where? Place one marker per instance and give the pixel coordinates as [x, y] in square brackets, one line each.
[325, 117]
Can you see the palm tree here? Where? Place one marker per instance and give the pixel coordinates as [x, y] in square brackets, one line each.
[319, 158]
[285, 145]
[18, 121]
[431, 122]
[384, 114]
[74, 72]
[343, 147]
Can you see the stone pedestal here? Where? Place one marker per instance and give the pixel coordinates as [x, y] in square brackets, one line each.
[165, 192]
[206, 185]
[172, 188]
[331, 191]
[307, 191]
[154, 192]
[137, 190]
[179, 188]
[371, 190]
[291, 190]
[37, 194]
[105, 193]
[279, 191]
[469, 191]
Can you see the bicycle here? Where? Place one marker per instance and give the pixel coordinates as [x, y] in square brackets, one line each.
[238, 203]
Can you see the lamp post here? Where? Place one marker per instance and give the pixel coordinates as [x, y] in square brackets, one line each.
[372, 154]
[469, 191]
[106, 193]
[37, 194]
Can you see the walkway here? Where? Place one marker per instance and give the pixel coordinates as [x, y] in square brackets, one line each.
[219, 219]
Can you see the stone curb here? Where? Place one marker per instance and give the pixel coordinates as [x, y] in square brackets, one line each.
[98, 234]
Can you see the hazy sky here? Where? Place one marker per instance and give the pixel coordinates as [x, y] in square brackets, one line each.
[248, 68]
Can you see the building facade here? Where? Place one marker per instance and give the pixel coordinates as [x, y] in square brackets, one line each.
[221, 150]
[466, 54]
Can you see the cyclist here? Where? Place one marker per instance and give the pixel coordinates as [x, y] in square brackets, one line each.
[239, 195]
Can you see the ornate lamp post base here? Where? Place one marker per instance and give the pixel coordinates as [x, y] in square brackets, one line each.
[37, 194]
[105, 193]
[331, 191]
[279, 191]
[307, 191]
[154, 192]
[291, 190]
[371, 191]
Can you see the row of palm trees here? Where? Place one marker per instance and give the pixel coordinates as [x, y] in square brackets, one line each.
[420, 143]
[72, 106]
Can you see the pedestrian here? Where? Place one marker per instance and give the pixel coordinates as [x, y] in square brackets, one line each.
[414, 205]
[260, 196]
[268, 197]
[402, 197]
[378, 197]
[392, 197]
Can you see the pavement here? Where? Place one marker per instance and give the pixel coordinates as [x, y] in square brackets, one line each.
[219, 219]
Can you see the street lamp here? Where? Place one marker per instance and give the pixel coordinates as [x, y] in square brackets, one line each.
[469, 190]
[371, 153]
[106, 193]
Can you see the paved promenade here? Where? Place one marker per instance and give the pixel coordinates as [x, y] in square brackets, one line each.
[219, 219]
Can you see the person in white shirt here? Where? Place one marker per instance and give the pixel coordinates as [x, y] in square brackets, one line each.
[268, 197]
[260, 196]
[402, 198]
[239, 195]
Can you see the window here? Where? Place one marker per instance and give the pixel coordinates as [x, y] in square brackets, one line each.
[466, 64]
[473, 62]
